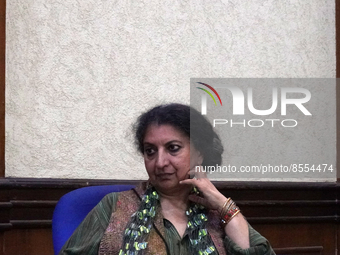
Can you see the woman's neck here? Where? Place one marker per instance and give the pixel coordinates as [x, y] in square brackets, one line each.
[177, 200]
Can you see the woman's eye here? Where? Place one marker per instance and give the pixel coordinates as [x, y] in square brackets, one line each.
[149, 151]
[174, 148]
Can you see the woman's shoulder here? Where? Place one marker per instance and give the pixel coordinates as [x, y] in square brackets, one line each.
[111, 199]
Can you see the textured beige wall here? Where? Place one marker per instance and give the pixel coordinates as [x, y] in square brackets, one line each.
[79, 72]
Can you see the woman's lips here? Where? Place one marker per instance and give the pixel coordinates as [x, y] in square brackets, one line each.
[165, 175]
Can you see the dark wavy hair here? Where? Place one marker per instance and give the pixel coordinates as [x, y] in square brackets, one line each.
[188, 121]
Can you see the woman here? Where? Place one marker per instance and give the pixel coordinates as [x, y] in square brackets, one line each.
[171, 213]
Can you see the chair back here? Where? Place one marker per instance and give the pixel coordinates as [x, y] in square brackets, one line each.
[73, 207]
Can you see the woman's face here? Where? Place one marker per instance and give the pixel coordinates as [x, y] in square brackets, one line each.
[167, 155]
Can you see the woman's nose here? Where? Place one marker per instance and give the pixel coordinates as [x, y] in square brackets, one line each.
[162, 159]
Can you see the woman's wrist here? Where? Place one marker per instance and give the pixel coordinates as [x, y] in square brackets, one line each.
[228, 211]
[223, 207]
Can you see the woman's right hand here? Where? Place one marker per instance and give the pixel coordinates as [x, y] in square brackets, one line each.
[209, 196]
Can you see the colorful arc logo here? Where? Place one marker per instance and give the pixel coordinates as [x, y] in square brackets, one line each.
[209, 92]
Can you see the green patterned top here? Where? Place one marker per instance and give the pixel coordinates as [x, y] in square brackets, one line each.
[86, 238]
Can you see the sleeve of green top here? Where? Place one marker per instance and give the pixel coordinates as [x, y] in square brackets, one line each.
[258, 245]
[86, 238]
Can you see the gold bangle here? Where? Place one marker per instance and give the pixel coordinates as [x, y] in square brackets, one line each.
[230, 205]
[233, 216]
[226, 208]
[223, 207]
[228, 212]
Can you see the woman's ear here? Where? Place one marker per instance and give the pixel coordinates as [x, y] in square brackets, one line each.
[200, 159]
[196, 157]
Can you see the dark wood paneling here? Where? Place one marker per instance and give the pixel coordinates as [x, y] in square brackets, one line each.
[30, 202]
[1, 243]
[297, 218]
[27, 242]
[338, 236]
[313, 250]
[311, 237]
[43, 237]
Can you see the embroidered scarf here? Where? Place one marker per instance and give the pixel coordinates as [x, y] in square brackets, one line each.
[137, 228]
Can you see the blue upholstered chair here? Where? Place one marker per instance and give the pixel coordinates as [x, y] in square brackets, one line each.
[73, 207]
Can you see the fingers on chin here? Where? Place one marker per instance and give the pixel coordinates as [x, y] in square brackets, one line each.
[187, 181]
